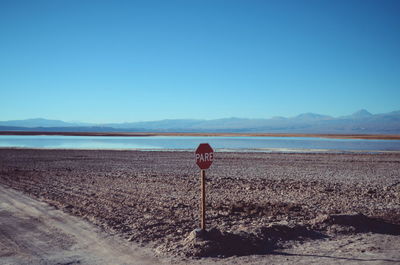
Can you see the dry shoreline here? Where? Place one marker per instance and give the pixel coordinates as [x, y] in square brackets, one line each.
[272, 202]
[144, 134]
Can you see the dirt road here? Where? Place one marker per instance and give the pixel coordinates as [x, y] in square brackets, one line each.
[32, 232]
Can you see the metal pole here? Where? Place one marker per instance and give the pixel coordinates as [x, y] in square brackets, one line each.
[203, 200]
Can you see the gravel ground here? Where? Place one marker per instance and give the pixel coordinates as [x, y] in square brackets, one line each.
[256, 202]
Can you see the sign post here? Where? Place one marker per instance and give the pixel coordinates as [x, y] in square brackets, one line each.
[203, 200]
[204, 158]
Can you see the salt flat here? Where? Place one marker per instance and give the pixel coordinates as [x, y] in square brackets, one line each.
[292, 208]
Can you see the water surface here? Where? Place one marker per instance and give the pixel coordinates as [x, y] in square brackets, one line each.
[236, 143]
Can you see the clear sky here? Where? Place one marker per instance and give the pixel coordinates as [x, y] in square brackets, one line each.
[115, 61]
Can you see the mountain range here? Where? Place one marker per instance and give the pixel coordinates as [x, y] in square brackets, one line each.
[360, 122]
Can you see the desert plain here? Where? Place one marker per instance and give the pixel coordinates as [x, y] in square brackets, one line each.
[262, 208]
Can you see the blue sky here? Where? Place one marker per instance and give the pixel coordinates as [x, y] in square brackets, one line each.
[115, 61]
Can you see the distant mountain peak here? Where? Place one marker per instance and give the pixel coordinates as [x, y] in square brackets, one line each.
[278, 118]
[312, 116]
[362, 113]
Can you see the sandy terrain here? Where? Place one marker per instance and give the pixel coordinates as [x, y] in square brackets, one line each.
[261, 208]
[33, 232]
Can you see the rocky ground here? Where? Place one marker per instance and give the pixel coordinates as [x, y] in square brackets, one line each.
[257, 203]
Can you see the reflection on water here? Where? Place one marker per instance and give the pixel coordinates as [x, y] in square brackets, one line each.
[190, 143]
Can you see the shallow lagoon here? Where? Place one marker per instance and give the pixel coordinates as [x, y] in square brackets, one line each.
[236, 143]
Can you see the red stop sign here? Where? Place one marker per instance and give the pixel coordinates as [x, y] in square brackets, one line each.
[204, 156]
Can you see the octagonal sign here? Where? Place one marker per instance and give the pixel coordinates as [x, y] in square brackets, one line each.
[204, 156]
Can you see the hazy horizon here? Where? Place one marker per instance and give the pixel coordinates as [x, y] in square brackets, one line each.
[129, 61]
[233, 117]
